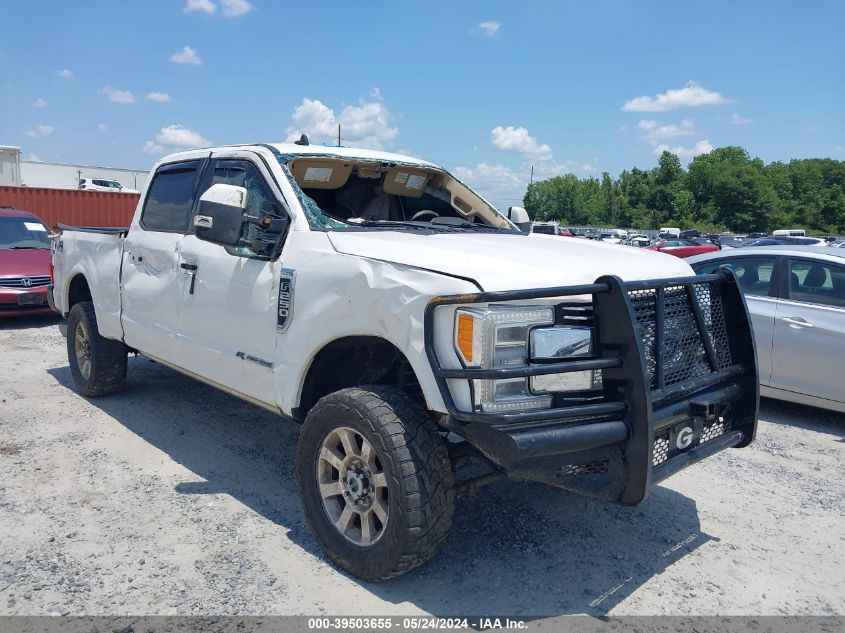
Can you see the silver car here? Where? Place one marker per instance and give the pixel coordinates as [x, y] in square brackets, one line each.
[796, 297]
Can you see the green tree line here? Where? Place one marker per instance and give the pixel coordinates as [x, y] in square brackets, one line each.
[725, 189]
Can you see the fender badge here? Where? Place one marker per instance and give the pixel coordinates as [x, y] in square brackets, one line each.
[284, 309]
[255, 359]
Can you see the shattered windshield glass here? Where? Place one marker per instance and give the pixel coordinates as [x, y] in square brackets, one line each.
[363, 193]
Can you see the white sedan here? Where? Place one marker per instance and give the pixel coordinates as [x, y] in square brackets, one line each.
[796, 298]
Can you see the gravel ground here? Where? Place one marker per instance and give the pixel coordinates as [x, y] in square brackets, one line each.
[174, 498]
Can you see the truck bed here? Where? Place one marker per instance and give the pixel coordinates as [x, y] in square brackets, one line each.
[88, 260]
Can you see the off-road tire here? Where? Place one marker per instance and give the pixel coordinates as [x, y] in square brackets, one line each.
[418, 472]
[108, 358]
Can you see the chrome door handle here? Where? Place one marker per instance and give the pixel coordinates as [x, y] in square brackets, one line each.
[192, 269]
[797, 322]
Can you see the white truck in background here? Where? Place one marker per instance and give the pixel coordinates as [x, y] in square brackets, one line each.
[411, 329]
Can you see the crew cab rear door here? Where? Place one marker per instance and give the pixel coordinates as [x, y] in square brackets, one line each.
[151, 280]
[228, 300]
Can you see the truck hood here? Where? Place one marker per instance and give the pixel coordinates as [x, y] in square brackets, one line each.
[511, 262]
[21, 262]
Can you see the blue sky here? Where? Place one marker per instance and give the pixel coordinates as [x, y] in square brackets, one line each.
[485, 88]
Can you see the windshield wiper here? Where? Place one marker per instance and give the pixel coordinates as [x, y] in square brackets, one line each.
[28, 247]
[392, 224]
[460, 223]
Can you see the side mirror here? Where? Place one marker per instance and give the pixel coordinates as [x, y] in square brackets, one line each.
[221, 215]
[519, 217]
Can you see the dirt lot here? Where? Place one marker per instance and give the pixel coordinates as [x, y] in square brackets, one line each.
[175, 498]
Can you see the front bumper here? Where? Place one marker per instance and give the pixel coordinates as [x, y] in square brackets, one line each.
[670, 397]
[24, 301]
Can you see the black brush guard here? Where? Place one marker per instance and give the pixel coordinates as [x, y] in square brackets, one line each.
[673, 354]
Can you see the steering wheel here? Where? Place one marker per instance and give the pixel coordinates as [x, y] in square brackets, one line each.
[422, 215]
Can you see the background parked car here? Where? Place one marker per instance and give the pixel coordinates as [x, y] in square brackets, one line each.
[682, 248]
[609, 238]
[783, 241]
[729, 241]
[796, 298]
[24, 263]
[640, 241]
[98, 184]
[545, 228]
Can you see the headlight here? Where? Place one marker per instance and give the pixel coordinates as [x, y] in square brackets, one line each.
[513, 336]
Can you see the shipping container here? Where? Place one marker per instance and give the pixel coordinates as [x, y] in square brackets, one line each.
[72, 206]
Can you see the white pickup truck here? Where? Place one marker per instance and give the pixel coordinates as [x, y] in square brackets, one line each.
[411, 329]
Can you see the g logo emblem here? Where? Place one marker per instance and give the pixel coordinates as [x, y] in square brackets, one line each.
[684, 438]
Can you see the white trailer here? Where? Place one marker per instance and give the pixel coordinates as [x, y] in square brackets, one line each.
[10, 165]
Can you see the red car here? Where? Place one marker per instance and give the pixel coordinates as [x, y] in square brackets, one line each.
[682, 248]
[24, 263]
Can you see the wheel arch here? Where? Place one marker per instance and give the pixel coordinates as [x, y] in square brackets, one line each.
[78, 289]
[351, 361]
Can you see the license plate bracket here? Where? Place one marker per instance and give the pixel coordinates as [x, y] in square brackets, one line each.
[686, 434]
[31, 299]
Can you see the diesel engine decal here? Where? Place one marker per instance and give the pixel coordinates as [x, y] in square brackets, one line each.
[284, 309]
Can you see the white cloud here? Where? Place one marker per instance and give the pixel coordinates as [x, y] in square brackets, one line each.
[375, 93]
[33, 158]
[235, 8]
[102, 127]
[64, 73]
[39, 103]
[41, 130]
[117, 96]
[367, 124]
[736, 119]
[228, 8]
[175, 137]
[160, 97]
[654, 131]
[586, 168]
[505, 186]
[517, 139]
[690, 96]
[204, 6]
[187, 55]
[490, 28]
[701, 147]
[500, 184]
[150, 147]
[656, 134]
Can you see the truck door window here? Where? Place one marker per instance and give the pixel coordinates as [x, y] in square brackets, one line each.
[168, 204]
[259, 198]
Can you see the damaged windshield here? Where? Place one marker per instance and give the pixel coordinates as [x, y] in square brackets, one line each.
[344, 193]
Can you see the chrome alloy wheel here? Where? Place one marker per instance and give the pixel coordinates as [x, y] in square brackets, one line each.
[353, 486]
[82, 347]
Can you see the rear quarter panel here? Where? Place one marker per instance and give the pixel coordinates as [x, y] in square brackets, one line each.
[95, 256]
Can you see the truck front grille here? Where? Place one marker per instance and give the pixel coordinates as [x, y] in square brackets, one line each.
[31, 281]
[676, 351]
